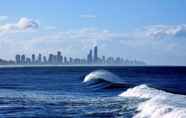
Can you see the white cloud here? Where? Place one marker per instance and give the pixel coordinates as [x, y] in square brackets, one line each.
[22, 25]
[88, 16]
[25, 23]
[166, 31]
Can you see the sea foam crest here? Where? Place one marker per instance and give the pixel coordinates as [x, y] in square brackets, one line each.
[102, 75]
[159, 104]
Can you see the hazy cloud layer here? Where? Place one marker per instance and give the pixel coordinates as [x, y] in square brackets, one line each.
[166, 31]
[22, 25]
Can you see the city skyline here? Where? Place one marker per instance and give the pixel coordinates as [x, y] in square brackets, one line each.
[59, 59]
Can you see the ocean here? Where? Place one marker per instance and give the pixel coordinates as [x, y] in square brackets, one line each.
[93, 92]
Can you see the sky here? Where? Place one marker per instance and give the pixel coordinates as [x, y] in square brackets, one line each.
[150, 30]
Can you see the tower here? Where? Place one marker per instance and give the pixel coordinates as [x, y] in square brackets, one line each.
[95, 54]
[23, 59]
[18, 59]
[59, 57]
[39, 58]
[33, 58]
[44, 60]
[89, 57]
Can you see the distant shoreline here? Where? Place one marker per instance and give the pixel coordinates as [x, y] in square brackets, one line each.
[29, 66]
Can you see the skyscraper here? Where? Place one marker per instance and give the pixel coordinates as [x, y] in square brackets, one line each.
[44, 60]
[59, 57]
[71, 60]
[39, 58]
[28, 61]
[23, 59]
[89, 57]
[95, 54]
[18, 59]
[50, 59]
[65, 60]
[33, 59]
[55, 59]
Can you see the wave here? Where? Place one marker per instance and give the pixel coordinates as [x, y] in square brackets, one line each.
[159, 104]
[104, 79]
[103, 75]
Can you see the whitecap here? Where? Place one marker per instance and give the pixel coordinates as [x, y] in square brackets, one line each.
[159, 104]
[102, 75]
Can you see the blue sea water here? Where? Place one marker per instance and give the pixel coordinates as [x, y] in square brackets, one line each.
[46, 92]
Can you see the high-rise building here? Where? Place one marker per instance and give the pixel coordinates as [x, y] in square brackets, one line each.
[65, 60]
[50, 59]
[18, 59]
[39, 59]
[55, 59]
[33, 59]
[95, 54]
[23, 59]
[28, 61]
[44, 60]
[59, 57]
[71, 60]
[89, 57]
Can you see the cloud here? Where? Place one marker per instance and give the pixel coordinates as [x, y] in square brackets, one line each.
[25, 23]
[166, 31]
[84, 38]
[22, 25]
[91, 36]
[3, 18]
[88, 16]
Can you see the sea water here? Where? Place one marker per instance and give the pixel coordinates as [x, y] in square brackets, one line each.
[40, 92]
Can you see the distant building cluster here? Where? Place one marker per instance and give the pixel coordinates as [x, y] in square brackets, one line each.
[59, 59]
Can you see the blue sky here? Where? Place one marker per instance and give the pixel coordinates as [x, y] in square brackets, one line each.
[114, 14]
[142, 29]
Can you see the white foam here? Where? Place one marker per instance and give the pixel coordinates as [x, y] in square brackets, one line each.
[104, 75]
[159, 104]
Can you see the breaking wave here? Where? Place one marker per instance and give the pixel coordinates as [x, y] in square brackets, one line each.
[159, 104]
[104, 79]
[156, 104]
[102, 75]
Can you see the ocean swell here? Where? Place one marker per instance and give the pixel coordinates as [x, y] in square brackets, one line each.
[102, 75]
[102, 79]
